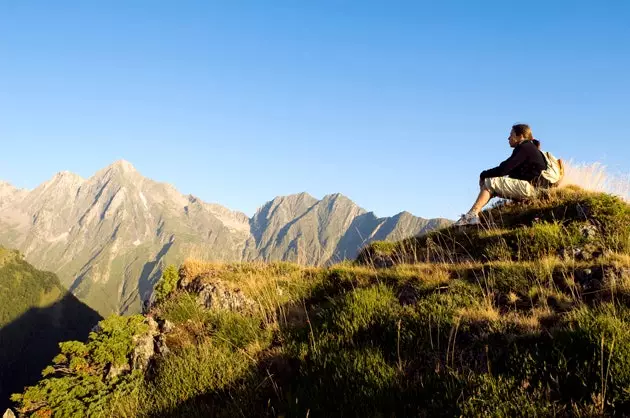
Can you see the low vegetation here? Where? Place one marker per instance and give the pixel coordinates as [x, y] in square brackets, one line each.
[22, 286]
[527, 314]
[36, 313]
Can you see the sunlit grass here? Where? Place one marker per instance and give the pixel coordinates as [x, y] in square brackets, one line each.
[596, 177]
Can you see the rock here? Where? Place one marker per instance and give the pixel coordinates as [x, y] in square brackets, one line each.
[166, 326]
[8, 414]
[184, 280]
[589, 232]
[590, 278]
[187, 278]
[381, 262]
[144, 346]
[583, 276]
[146, 306]
[589, 252]
[160, 345]
[586, 253]
[115, 371]
[407, 295]
[216, 295]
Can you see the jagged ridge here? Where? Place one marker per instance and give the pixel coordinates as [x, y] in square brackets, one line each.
[109, 237]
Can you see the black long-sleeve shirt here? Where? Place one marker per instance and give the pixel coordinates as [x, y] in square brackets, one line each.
[525, 163]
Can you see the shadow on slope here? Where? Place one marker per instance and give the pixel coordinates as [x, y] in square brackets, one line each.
[29, 343]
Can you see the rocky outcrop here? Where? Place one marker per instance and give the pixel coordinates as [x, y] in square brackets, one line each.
[216, 294]
[146, 347]
[210, 293]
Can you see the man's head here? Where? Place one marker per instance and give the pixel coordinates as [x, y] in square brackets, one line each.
[519, 133]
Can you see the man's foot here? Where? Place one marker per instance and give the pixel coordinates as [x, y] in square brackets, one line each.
[470, 218]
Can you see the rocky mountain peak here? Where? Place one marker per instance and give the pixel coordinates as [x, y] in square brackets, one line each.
[119, 171]
[123, 166]
[66, 178]
[110, 236]
[293, 199]
[339, 202]
[58, 188]
[337, 197]
[6, 188]
[290, 205]
[403, 215]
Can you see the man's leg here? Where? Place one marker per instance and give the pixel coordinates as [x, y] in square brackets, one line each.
[482, 200]
[508, 188]
[472, 216]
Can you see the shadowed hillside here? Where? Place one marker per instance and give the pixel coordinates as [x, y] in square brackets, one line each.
[36, 314]
[527, 314]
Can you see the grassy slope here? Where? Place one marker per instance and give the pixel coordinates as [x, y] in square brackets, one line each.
[23, 287]
[524, 315]
[36, 313]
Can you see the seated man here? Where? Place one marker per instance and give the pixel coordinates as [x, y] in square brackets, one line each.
[514, 178]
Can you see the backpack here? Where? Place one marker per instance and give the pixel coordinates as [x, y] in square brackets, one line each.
[554, 171]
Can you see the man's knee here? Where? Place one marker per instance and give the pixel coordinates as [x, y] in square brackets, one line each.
[487, 186]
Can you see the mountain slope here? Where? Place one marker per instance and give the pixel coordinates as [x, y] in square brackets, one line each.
[108, 237]
[36, 313]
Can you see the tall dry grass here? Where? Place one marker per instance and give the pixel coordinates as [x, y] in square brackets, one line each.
[596, 177]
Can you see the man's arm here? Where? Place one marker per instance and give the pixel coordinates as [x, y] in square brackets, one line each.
[506, 167]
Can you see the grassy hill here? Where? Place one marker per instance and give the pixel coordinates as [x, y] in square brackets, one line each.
[36, 313]
[526, 314]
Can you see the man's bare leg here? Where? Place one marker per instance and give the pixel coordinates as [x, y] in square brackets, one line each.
[472, 217]
[482, 200]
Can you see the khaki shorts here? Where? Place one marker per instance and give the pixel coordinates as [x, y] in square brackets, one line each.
[509, 188]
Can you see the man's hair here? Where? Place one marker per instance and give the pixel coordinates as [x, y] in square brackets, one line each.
[524, 130]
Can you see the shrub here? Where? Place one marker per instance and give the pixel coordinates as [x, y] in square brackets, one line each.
[76, 385]
[167, 284]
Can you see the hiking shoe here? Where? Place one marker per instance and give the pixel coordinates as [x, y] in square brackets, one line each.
[469, 218]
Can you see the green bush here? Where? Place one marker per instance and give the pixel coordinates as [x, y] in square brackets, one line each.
[167, 284]
[76, 384]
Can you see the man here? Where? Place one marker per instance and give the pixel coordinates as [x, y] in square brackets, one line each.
[514, 178]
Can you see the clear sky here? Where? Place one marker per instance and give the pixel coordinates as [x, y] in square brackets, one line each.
[397, 105]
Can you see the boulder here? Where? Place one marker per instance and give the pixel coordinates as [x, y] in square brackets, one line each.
[165, 325]
[115, 371]
[215, 294]
[145, 346]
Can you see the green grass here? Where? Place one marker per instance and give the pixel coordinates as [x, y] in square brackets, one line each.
[23, 287]
[498, 320]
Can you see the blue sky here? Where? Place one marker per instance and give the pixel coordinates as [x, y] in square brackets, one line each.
[398, 105]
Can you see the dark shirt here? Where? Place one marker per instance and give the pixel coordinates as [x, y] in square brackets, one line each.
[525, 163]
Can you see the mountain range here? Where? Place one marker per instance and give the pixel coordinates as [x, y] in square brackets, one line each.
[108, 237]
